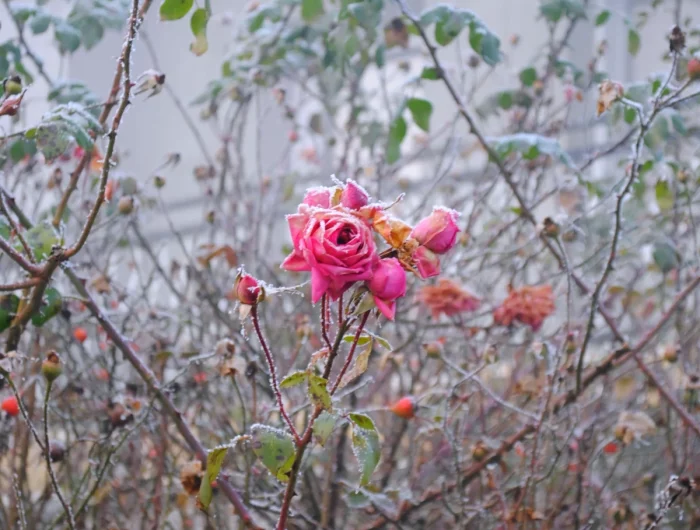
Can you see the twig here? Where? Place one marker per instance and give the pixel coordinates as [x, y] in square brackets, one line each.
[47, 455]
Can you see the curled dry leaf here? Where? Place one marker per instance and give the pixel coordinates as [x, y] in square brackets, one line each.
[608, 93]
[212, 251]
[191, 476]
[632, 425]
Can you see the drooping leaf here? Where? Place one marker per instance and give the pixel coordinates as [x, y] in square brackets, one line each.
[294, 379]
[358, 368]
[275, 448]
[431, 73]
[365, 446]
[318, 391]
[449, 23]
[362, 421]
[665, 256]
[8, 310]
[311, 9]
[323, 426]
[530, 146]
[41, 238]
[67, 36]
[215, 459]
[602, 17]
[528, 76]
[198, 24]
[634, 42]
[421, 109]
[664, 195]
[397, 133]
[49, 308]
[40, 23]
[175, 9]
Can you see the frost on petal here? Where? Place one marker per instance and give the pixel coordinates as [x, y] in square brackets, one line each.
[319, 285]
[296, 263]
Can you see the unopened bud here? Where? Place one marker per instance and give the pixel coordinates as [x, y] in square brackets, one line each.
[126, 205]
[51, 368]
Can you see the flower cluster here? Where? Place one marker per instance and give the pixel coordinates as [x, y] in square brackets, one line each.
[448, 298]
[333, 236]
[529, 305]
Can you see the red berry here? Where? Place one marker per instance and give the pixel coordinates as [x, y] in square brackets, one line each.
[694, 68]
[80, 334]
[10, 406]
[610, 448]
[404, 408]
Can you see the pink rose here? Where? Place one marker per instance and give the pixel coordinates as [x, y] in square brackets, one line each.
[320, 197]
[335, 246]
[427, 262]
[388, 283]
[438, 231]
[353, 196]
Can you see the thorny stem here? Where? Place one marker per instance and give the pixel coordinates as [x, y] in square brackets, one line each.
[47, 455]
[273, 373]
[308, 433]
[351, 353]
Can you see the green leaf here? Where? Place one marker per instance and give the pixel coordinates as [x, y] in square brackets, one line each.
[430, 73]
[664, 195]
[215, 459]
[365, 446]
[294, 379]
[530, 146]
[380, 56]
[449, 22]
[5, 230]
[323, 426]
[318, 392]
[553, 10]
[363, 421]
[397, 133]
[665, 256]
[67, 36]
[8, 310]
[679, 124]
[41, 238]
[602, 17]
[40, 23]
[198, 24]
[421, 109]
[21, 12]
[175, 9]
[50, 307]
[275, 448]
[633, 41]
[528, 76]
[630, 115]
[311, 9]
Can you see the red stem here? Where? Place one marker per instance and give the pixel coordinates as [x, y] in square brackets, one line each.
[273, 374]
[324, 321]
[351, 353]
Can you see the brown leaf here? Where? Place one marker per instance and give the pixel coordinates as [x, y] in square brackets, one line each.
[608, 93]
[214, 252]
[11, 105]
[359, 368]
[101, 284]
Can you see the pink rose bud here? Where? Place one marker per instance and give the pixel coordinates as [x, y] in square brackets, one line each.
[354, 196]
[438, 231]
[320, 197]
[388, 283]
[427, 263]
[247, 289]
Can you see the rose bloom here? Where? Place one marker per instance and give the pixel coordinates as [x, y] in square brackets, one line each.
[388, 284]
[448, 298]
[529, 305]
[336, 246]
[437, 232]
